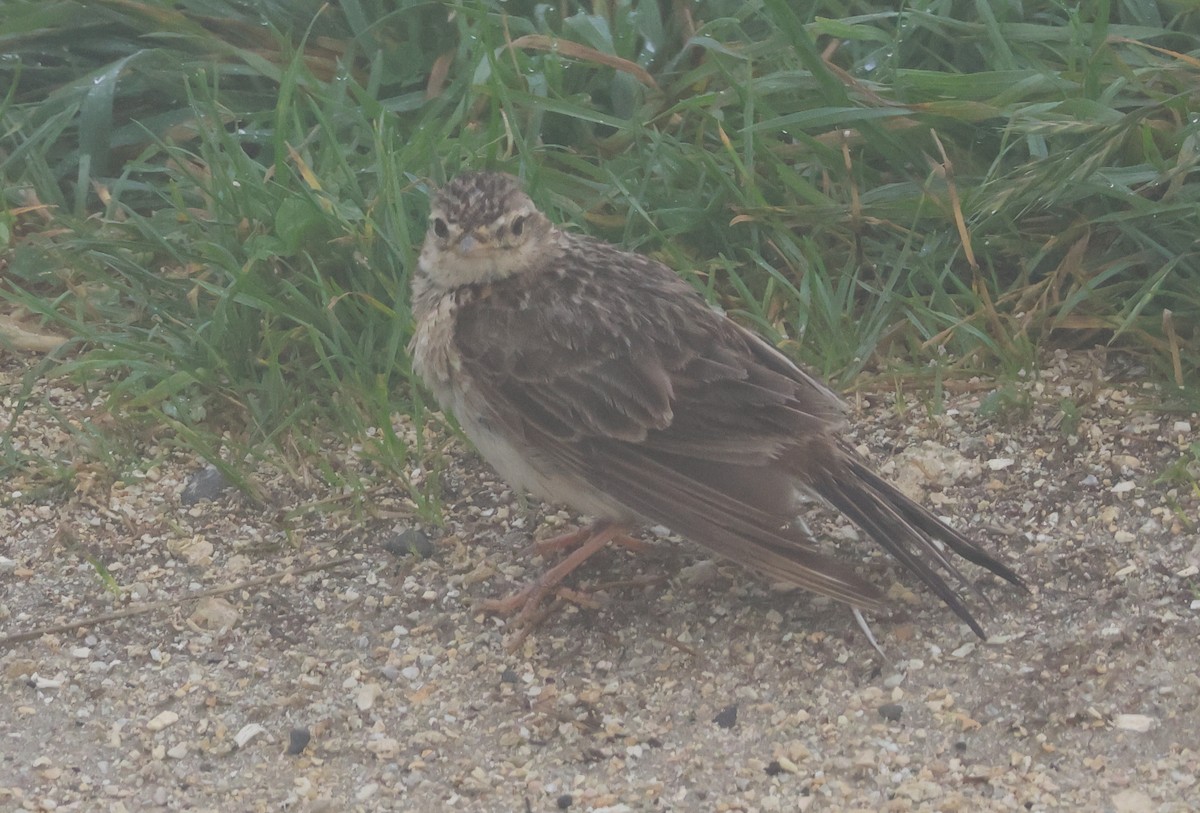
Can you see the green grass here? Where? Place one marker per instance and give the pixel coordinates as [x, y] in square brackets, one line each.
[219, 202]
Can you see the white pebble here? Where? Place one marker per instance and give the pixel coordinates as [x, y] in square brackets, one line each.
[247, 733]
[366, 696]
[162, 720]
[40, 682]
[1134, 722]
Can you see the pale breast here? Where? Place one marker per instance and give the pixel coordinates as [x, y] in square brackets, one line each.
[430, 349]
[434, 359]
[522, 468]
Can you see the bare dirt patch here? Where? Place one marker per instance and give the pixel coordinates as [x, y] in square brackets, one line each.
[700, 690]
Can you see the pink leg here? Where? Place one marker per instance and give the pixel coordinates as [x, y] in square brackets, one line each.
[579, 535]
[526, 601]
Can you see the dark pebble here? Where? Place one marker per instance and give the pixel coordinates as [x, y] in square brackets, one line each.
[297, 741]
[891, 711]
[508, 676]
[726, 717]
[774, 768]
[564, 801]
[205, 484]
[409, 542]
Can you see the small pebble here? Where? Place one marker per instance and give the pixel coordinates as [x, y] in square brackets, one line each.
[1134, 722]
[247, 733]
[40, 682]
[205, 484]
[891, 711]
[364, 698]
[1132, 801]
[384, 747]
[298, 739]
[162, 720]
[727, 717]
[409, 542]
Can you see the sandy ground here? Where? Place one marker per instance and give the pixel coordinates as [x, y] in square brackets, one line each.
[273, 659]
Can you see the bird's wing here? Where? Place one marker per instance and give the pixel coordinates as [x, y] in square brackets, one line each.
[624, 350]
[620, 375]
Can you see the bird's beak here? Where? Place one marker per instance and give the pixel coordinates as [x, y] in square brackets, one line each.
[466, 245]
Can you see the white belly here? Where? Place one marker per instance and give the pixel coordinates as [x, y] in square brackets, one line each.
[522, 467]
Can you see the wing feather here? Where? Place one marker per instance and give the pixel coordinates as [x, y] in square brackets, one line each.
[677, 417]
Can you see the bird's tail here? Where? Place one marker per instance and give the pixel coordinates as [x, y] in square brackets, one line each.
[908, 531]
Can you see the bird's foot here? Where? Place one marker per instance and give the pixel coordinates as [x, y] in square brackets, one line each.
[526, 604]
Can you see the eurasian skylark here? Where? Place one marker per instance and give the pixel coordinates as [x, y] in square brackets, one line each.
[597, 378]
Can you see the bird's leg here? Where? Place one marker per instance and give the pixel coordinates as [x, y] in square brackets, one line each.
[543, 547]
[526, 601]
[571, 538]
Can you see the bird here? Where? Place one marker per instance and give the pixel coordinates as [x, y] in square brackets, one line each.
[598, 378]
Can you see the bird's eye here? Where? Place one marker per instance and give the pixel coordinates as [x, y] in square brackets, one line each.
[518, 225]
[440, 228]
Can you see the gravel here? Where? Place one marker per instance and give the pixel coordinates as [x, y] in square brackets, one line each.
[234, 658]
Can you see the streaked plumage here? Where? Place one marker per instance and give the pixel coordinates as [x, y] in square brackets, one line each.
[597, 378]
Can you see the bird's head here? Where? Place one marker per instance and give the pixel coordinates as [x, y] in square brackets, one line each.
[482, 228]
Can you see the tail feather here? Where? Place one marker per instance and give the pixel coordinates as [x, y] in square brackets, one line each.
[922, 518]
[909, 532]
